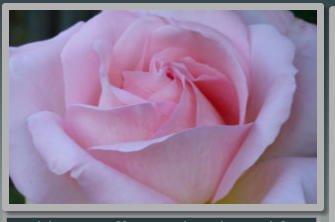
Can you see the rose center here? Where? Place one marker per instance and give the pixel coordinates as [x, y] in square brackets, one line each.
[170, 75]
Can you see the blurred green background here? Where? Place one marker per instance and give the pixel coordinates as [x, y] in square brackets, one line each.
[33, 25]
[28, 26]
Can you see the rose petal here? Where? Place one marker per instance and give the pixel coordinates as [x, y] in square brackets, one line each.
[81, 62]
[164, 56]
[280, 19]
[223, 21]
[218, 89]
[91, 126]
[298, 135]
[277, 181]
[144, 84]
[36, 83]
[185, 166]
[101, 183]
[198, 69]
[242, 56]
[206, 114]
[183, 116]
[217, 54]
[169, 93]
[112, 97]
[272, 89]
[129, 49]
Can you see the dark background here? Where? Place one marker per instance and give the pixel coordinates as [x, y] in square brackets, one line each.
[34, 25]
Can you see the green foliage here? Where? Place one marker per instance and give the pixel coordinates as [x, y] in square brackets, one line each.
[14, 196]
[307, 15]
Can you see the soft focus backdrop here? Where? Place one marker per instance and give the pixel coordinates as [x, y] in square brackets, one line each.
[28, 26]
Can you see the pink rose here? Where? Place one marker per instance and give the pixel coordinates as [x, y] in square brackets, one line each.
[167, 107]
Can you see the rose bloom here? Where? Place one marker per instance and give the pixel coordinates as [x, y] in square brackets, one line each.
[167, 107]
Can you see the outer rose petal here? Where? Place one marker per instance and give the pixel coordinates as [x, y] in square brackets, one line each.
[92, 126]
[36, 83]
[272, 88]
[101, 183]
[277, 181]
[298, 134]
[185, 166]
[81, 62]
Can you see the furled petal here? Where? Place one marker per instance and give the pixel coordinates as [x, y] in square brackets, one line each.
[169, 93]
[144, 84]
[183, 116]
[225, 22]
[165, 56]
[112, 97]
[277, 181]
[199, 69]
[218, 89]
[298, 135]
[36, 83]
[91, 126]
[186, 166]
[206, 114]
[215, 53]
[222, 95]
[81, 62]
[129, 49]
[100, 183]
[272, 89]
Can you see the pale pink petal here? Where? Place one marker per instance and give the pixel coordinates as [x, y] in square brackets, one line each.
[81, 62]
[206, 114]
[165, 56]
[225, 22]
[242, 55]
[186, 166]
[100, 183]
[36, 83]
[298, 135]
[222, 95]
[169, 93]
[144, 84]
[272, 89]
[199, 69]
[92, 126]
[218, 89]
[217, 54]
[132, 146]
[129, 49]
[280, 19]
[112, 97]
[277, 181]
[183, 116]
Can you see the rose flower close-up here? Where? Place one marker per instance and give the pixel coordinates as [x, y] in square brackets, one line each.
[167, 107]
